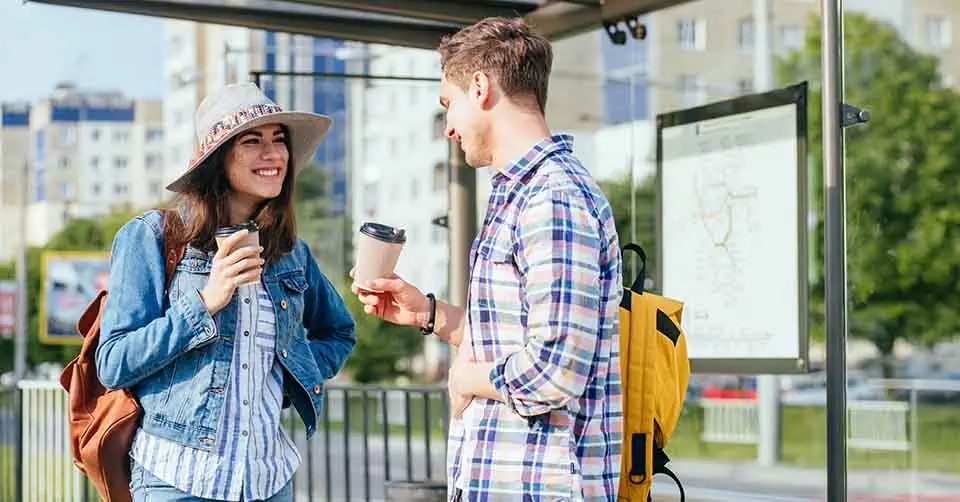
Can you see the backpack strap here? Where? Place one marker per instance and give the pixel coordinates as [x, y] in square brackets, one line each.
[172, 252]
[637, 286]
[660, 460]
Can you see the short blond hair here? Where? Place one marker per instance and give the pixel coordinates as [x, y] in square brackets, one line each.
[507, 49]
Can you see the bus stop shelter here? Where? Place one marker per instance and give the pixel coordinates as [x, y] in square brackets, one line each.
[422, 23]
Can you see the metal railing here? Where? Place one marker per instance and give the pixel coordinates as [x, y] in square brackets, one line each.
[368, 437]
[10, 466]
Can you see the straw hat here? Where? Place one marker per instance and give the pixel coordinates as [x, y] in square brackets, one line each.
[235, 108]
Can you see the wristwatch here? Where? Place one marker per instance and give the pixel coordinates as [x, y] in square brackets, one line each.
[428, 329]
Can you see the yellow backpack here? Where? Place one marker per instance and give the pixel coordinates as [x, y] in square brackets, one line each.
[654, 374]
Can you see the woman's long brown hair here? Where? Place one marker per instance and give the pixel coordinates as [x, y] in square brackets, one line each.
[205, 206]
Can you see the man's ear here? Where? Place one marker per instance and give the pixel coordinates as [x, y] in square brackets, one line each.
[481, 89]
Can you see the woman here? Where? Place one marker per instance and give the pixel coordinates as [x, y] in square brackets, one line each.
[240, 331]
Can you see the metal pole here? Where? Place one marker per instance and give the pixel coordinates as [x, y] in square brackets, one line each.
[914, 437]
[768, 386]
[462, 222]
[632, 155]
[18, 446]
[834, 248]
[20, 342]
[345, 75]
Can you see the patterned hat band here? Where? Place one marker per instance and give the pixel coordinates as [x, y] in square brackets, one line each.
[230, 124]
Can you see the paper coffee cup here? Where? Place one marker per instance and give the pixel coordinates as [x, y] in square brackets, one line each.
[252, 239]
[378, 250]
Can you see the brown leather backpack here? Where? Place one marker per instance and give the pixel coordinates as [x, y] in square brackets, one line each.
[102, 421]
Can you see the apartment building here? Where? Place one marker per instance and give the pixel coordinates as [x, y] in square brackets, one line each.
[88, 152]
[703, 51]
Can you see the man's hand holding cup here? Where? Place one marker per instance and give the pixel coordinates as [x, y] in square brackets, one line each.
[392, 299]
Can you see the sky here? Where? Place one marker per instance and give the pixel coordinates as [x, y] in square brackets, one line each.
[43, 45]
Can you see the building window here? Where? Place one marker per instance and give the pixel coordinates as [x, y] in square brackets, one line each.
[153, 160]
[439, 176]
[791, 38]
[119, 189]
[68, 136]
[691, 92]
[369, 199]
[692, 34]
[95, 135]
[64, 190]
[154, 135]
[938, 33]
[155, 188]
[746, 33]
[119, 162]
[745, 86]
[121, 136]
[64, 163]
[95, 163]
[95, 189]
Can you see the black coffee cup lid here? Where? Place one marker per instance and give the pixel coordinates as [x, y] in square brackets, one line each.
[384, 233]
[249, 226]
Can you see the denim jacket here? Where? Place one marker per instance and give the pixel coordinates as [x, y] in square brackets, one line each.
[163, 345]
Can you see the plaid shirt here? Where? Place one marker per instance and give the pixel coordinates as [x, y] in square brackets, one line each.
[545, 286]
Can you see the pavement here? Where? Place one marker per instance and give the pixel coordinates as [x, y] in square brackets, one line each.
[704, 481]
[748, 482]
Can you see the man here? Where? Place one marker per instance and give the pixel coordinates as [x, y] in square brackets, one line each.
[534, 387]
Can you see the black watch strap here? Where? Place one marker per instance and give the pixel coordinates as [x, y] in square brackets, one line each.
[431, 321]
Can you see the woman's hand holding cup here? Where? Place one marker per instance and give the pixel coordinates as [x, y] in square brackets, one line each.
[233, 265]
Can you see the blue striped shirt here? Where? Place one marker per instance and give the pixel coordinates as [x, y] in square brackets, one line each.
[253, 458]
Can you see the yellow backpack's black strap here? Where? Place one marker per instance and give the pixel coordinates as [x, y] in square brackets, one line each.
[660, 460]
[638, 458]
[637, 286]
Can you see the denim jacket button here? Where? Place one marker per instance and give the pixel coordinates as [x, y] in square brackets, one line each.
[283, 354]
[316, 389]
[283, 304]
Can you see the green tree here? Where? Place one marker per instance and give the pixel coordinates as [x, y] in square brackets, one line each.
[384, 350]
[619, 192]
[903, 220]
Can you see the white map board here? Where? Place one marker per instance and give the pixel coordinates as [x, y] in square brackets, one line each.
[733, 230]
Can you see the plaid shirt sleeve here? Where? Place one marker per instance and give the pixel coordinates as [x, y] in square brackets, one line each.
[558, 258]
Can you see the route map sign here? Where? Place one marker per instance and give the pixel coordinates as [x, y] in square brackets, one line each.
[733, 230]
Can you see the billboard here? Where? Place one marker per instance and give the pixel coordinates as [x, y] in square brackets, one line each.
[8, 308]
[70, 280]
